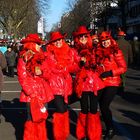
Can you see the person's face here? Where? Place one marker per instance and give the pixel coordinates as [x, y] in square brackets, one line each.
[83, 39]
[9, 49]
[95, 41]
[58, 43]
[106, 43]
[37, 48]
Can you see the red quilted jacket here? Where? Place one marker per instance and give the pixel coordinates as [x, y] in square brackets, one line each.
[117, 64]
[57, 67]
[32, 86]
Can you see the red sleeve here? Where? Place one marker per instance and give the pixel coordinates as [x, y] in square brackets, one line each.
[26, 80]
[122, 67]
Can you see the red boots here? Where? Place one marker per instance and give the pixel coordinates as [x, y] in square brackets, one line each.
[35, 131]
[81, 126]
[61, 126]
[94, 128]
[29, 131]
[89, 125]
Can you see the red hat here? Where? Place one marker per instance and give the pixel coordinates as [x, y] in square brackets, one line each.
[32, 38]
[81, 30]
[121, 33]
[105, 36]
[55, 36]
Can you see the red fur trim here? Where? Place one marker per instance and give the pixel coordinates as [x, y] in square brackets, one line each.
[59, 126]
[32, 60]
[94, 124]
[29, 131]
[61, 54]
[79, 46]
[81, 76]
[41, 130]
[102, 53]
[67, 124]
[81, 126]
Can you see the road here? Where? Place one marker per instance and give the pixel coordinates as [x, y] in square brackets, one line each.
[125, 107]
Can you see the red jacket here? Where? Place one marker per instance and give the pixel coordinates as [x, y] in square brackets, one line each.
[32, 86]
[57, 68]
[87, 79]
[117, 64]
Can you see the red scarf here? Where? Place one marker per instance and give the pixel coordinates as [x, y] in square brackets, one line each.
[61, 54]
[32, 59]
[102, 53]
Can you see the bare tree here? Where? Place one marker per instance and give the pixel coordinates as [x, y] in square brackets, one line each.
[20, 16]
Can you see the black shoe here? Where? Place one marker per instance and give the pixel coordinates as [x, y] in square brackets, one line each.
[109, 134]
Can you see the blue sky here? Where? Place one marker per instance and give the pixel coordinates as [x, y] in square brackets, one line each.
[57, 8]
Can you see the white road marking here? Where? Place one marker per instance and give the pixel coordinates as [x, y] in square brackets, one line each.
[10, 91]
[9, 82]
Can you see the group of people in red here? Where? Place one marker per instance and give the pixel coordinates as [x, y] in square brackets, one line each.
[97, 64]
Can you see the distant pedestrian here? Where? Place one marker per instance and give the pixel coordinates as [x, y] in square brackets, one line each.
[10, 56]
[3, 65]
[95, 40]
[125, 46]
[136, 52]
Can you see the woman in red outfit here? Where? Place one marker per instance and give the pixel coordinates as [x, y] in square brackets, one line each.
[36, 92]
[111, 64]
[63, 61]
[88, 87]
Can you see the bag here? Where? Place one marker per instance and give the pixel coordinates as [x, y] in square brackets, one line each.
[38, 110]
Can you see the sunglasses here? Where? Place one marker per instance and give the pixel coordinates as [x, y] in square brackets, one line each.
[80, 36]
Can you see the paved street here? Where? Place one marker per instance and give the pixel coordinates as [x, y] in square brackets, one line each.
[126, 111]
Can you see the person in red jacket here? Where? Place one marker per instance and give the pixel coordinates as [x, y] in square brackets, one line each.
[88, 86]
[111, 64]
[63, 61]
[36, 92]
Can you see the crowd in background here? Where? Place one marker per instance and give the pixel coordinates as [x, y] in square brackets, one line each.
[10, 49]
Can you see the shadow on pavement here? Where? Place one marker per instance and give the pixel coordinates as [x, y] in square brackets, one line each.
[15, 113]
[137, 88]
[130, 97]
[128, 130]
[132, 115]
